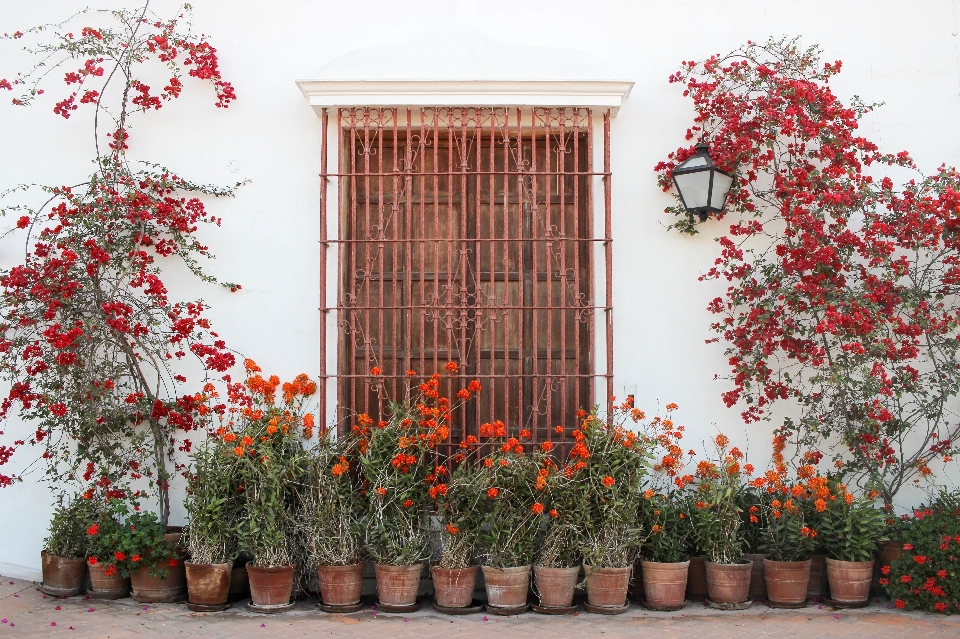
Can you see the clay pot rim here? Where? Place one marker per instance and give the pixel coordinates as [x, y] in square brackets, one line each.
[511, 569]
[643, 562]
[849, 563]
[539, 567]
[589, 568]
[341, 566]
[187, 562]
[786, 563]
[250, 567]
[396, 567]
[50, 554]
[742, 562]
[473, 568]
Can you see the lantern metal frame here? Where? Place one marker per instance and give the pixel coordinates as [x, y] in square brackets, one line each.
[701, 150]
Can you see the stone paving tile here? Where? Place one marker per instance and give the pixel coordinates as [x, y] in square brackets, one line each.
[30, 614]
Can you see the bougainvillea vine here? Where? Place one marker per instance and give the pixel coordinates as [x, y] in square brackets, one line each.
[90, 332]
[842, 291]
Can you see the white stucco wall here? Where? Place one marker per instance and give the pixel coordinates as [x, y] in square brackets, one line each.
[907, 56]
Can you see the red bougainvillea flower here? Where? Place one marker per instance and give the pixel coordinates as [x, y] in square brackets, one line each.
[492, 493]
[376, 371]
[537, 508]
[608, 481]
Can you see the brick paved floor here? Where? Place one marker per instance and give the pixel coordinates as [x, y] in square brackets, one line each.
[29, 614]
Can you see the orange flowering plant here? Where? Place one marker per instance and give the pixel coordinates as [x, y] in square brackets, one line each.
[514, 506]
[461, 503]
[782, 514]
[397, 456]
[850, 526]
[265, 439]
[716, 513]
[609, 463]
[329, 506]
[564, 505]
[214, 505]
[664, 509]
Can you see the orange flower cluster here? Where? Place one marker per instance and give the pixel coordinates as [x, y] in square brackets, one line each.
[512, 444]
[403, 462]
[668, 436]
[342, 466]
[495, 430]
[300, 386]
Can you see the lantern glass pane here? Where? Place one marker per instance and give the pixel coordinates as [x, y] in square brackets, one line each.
[694, 188]
[721, 185]
[693, 162]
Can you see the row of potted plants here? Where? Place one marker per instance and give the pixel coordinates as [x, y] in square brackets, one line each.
[604, 494]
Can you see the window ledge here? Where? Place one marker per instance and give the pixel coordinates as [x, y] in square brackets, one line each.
[595, 94]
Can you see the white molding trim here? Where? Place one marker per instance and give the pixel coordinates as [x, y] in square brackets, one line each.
[602, 94]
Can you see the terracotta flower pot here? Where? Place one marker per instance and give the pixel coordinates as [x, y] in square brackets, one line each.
[607, 587]
[507, 587]
[239, 583]
[398, 585]
[697, 579]
[62, 576]
[758, 587]
[817, 588]
[270, 586]
[208, 584]
[340, 585]
[849, 580]
[554, 586]
[665, 584]
[106, 586]
[169, 589]
[729, 583]
[888, 552]
[787, 581]
[453, 587]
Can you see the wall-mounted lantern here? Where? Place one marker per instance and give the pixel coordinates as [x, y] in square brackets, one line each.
[702, 186]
